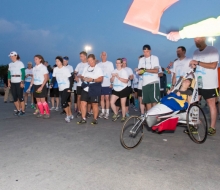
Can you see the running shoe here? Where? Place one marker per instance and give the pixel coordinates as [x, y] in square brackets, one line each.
[123, 119]
[115, 117]
[46, 116]
[88, 115]
[127, 115]
[25, 104]
[36, 112]
[106, 116]
[94, 122]
[57, 109]
[211, 131]
[78, 114]
[71, 117]
[5, 102]
[193, 130]
[101, 115]
[17, 113]
[63, 112]
[82, 121]
[52, 108]
[32, 106]
[67, 119]
[39, 116]
[21, 113]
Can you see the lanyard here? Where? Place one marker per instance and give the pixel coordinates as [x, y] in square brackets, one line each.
[146, 63]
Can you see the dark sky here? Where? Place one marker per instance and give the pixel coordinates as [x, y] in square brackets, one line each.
[64, 27]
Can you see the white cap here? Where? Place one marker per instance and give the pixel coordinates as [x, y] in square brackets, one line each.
[13, 53]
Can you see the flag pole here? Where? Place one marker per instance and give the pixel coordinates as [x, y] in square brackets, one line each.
[162, 34]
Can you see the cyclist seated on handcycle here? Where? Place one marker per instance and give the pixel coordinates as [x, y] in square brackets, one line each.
[179, 99]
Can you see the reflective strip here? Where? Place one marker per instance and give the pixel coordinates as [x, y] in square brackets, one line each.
[217, 92]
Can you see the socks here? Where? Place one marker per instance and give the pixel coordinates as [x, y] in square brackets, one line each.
[107, 111]
[40, 107]
[46, 108]
[103, 110]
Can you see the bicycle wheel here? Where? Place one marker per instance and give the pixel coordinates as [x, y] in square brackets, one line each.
[132, 132]
[197, 124]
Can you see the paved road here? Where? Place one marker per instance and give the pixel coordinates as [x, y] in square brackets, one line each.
[38, 154]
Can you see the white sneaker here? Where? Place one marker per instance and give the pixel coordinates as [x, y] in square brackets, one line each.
[101, 115]
[57, 109]
[67, 119]
[71, 117]
[106, 116]
[52, 108]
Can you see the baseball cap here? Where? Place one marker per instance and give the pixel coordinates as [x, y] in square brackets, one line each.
[66, 58]
[146, 47]
[13, 53]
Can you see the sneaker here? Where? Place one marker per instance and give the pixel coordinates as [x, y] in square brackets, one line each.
[135, 109]
[67, 119]
[88, 115]
[211, 131]
[106, 116]
[21, 113]
[115, 117]
[63, 112]
[39, 116]
[57, 109]
[71, 117]
[36, 112]
[17, 113]
[94, 122]
[46, 116]
[78, 114]
[123, 119]
[101, 115]
[193, 130]
[25, 104]
[5, 102]
[127, 115]
[52, 108]
[32, 106]
[82, 121]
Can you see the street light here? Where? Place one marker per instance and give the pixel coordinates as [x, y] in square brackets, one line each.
[211, 39]
[88, 48]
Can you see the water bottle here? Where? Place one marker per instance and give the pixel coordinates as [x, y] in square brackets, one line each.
[200, 83]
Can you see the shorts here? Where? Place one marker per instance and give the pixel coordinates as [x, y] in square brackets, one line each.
[79, 90]
[135, 90]
[54, 92]
[86, 98]
[65, 98]
[106, 91]
[123, 93]
[151, 93]
[75, 97]
[139, 93]
[42, 94]
[26, 86]
[17, 92]
[209, 93]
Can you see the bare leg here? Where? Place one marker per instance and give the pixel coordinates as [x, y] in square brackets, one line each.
[95, 109]
[123, 107]
[141, 105]
[57, 101]
[52, 101]
[79, 103]
[112, 102]
[83, 109]
[213, 111]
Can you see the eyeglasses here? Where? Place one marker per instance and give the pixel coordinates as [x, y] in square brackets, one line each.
[90, 70]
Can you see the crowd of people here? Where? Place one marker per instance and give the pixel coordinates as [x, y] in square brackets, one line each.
[97, 83]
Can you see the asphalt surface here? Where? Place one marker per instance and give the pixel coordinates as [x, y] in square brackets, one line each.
[39, 154]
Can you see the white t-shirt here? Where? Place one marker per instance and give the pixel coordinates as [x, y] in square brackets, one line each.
[130, 72]
[28, 72]
[181, 67]
[62, 76]
[92, 72]
[140, 82]
[117, 84]
[151, 62]
[70, 68]
[79, 70]
[15, 69]
[135, 81]
[209, 76]
[107, 68]
[38, 73]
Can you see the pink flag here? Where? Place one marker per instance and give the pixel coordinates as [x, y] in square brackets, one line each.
[146, 14]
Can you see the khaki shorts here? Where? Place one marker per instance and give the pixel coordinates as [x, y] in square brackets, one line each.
[151, 93]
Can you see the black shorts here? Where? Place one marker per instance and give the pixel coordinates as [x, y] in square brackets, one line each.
[123, 93]
[17, 92]
[139, 93]
[42, 94]
[209, 93]
[135, 90]
[54, 92]
[85, 97]
[79, 90]
[65, 98]
[75, 97]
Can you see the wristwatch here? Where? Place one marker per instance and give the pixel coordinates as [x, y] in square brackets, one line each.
[198, 62]
[93, 80]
